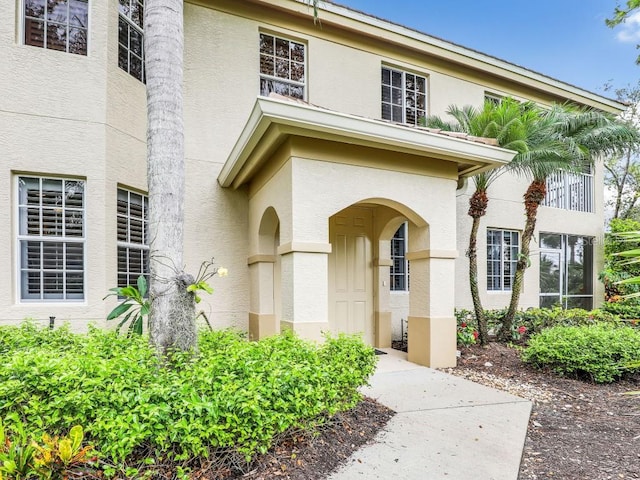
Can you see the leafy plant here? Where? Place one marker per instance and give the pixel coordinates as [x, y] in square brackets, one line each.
[601, 352]
[17, 454]
[232, 399]
[466, 334]
[135, 305]
[56, 455]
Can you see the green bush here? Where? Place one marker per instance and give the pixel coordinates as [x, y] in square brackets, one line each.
[534, 320]
[616, 268]
[623, 309]
[601, 352]
[538, 319]
[235, 395]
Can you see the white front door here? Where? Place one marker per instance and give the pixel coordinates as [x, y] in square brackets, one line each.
[351, 273]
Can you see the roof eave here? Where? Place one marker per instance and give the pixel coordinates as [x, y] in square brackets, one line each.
[290, 116]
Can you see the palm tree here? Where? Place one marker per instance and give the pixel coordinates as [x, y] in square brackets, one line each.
[565, 139]
[508, 122]
[172, 312]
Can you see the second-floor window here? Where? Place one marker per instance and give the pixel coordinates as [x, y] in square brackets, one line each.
[133, 244]
[282, 66]
[404, 96]
[57, 25]
[131, 38]
[502, 258]
[571, 191]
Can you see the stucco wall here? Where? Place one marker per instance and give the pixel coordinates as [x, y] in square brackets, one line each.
[81, 116]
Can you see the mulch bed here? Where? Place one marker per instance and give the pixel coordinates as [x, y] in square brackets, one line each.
[578, 430]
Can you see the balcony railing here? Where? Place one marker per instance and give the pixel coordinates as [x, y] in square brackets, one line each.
[570, 191]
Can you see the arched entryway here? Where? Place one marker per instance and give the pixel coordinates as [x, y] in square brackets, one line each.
[359, 267]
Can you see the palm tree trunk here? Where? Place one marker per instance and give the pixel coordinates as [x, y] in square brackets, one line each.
[477, 209]
[172, 317]
[532, 199]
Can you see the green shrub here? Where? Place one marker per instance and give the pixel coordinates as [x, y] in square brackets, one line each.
[466, 333]
[601, 352]
[235, 395]
[623, 309]
[534, 320]
[538, 319]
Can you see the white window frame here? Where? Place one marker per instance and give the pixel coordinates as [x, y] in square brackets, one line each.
[404, 106]
[43, 239]
[22, 30]
[274, 78]
[127, 18]
[503, 260]
[128, 244]
[405, 239]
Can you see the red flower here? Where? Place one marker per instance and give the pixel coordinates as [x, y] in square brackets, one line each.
[475, 334]
[463, 325]
[522, 329]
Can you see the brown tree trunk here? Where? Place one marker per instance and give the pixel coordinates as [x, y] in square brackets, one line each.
[172, 316]
[477, 209]
[532, 199]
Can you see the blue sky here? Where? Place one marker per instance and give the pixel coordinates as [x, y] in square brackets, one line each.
[564, 39]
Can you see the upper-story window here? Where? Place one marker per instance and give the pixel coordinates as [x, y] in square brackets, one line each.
[51, 238]
[133, 242]
[282, 66]
[493, 98]
[404, 96]
[57, 24]
[571, 191]
[131, 38]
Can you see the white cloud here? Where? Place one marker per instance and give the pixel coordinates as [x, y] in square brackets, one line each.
[630, 30]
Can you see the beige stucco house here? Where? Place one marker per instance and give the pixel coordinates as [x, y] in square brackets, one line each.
[306, 174]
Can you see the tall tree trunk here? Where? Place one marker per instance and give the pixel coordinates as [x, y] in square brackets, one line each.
[477, 209]
[532, 199]
[172, 317]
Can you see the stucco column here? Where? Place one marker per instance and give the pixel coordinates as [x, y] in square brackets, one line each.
[432, 326]
[305, 296]
[262, 318]
[382, 327]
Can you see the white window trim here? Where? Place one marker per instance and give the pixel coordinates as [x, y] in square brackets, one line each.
[502, 290]
[132, 245]
[21, 31]
[404, 72]
[406, 262]
[17, 252]
[305, 84]
[132, 24]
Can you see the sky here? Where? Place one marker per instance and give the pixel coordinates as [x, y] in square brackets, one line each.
[563, 39]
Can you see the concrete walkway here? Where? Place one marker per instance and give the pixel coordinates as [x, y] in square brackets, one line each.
[445, 427]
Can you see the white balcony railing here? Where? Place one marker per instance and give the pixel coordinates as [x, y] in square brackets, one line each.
[570, 191]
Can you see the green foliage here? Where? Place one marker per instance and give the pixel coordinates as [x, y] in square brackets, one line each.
[133, 309]
[235, 395]
[616, 268]
[466, 334]
[601, 352]
[21, 457]
[534, 320]
[624, 309]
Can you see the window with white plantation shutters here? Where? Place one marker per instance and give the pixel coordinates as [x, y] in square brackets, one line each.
[133, 245]
[404, 96]
[51, 238]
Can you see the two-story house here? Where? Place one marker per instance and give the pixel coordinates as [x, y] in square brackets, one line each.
[307, 176]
